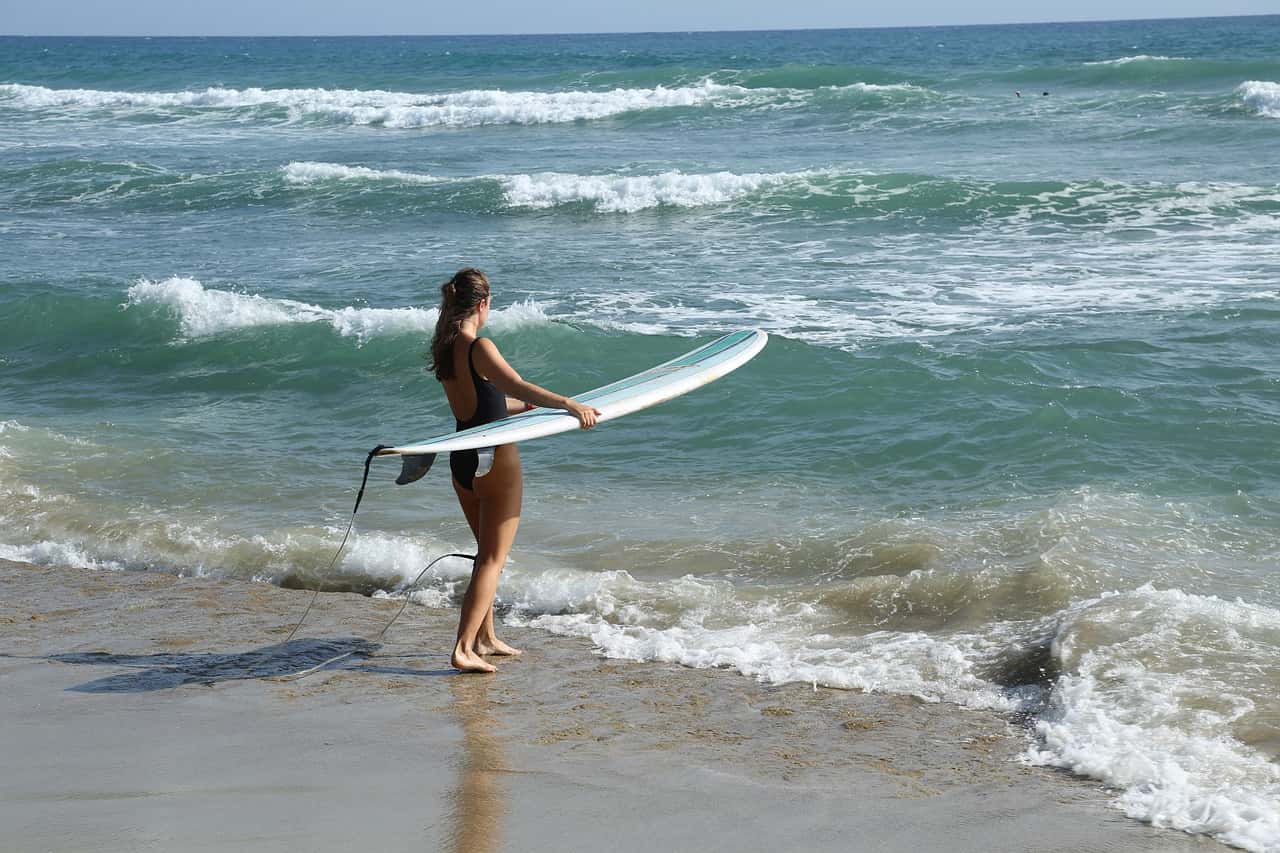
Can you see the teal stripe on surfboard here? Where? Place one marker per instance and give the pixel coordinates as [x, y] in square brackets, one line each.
[670, 379]
[653, 374]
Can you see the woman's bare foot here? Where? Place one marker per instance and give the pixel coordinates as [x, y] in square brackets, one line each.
[494, 646]
[469, 661]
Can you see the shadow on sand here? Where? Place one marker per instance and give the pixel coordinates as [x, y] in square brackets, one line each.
[165, 671]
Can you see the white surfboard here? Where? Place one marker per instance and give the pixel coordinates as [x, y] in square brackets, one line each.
[656, 385]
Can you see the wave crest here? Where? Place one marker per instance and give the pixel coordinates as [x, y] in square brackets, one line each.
[630, 193]
[203, 312]
[1157, 683]
[1262, 96]
[306, 172]
[607, 193]
[1141, 57]
[387, 108]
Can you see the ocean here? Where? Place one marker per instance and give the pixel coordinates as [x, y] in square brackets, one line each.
[1012, 446]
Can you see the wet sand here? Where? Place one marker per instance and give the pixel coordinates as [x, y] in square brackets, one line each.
[150, 712]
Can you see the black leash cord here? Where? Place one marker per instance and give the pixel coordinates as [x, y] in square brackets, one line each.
[297, 675]
[410, 587]
[368, 460]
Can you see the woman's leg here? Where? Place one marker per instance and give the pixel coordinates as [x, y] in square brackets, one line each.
[470, 508]
[499, 493]
[487, 642]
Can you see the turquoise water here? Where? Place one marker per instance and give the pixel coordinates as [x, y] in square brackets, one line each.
[1012, 444]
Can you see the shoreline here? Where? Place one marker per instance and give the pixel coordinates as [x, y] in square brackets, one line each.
[145, 711]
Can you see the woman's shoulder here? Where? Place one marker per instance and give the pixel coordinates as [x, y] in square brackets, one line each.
[486, 356]
[483, 344]
[478, 347]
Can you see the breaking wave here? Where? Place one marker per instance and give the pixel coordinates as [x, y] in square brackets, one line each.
[1142, 57]
[1262, 96]
[202, 312]
[390, 109]
[308, 172]
[630, 193]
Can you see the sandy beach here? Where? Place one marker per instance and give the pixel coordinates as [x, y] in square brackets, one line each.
[145, 711]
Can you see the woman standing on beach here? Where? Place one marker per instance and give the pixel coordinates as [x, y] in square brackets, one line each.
[488, 483]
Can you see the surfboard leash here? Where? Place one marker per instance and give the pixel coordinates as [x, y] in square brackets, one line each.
[343, 544]
[368, 460]
[294, 676]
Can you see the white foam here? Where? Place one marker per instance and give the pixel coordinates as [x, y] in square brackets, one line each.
[629, 193]
[78, 535]
[42, 97]
[1153, 682]
[879, 88]
[1104, 206]
[399, 558]
[1262, 96]
[424, 597]
[202, 312]
[608, 193]
[308, 172]
[57, 554]
[394, 109]
[705, 623]
[909, 664]
[845, 308]
[14, 428]
[1141, 57]
[896, 307]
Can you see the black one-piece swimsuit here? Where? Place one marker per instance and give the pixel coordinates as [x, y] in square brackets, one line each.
[491, 405]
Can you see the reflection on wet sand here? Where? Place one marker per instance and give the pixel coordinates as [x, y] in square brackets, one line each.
[477, 804]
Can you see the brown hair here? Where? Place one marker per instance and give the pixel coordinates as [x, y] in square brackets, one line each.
[460, 297]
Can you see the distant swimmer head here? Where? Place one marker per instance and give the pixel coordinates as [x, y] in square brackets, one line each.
[461, 297]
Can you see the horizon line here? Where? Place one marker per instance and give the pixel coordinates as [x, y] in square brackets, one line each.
[641, 32]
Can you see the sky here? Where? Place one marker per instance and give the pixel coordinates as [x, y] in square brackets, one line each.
[429, 17]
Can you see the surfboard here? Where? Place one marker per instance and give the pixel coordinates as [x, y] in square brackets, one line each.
[658, 384]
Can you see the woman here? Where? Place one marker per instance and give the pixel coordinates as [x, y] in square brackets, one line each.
[482, 387]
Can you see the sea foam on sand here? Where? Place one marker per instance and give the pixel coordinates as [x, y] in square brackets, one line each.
[185, 674]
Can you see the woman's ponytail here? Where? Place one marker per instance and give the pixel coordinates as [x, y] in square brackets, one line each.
[460, 297]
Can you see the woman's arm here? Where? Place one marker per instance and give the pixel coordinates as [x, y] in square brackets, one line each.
[490, 364]
[515, 407]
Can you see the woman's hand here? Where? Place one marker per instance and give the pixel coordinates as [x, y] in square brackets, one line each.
[586, 415]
